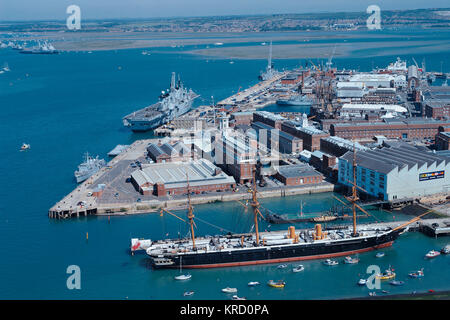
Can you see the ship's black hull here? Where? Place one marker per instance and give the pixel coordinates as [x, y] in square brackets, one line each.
[277, 254]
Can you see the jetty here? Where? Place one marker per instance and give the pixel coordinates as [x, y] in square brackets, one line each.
[107, 192]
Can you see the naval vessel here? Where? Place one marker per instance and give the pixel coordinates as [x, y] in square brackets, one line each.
[90, 166]
[173, 103]
[297, 100]
[267, 247]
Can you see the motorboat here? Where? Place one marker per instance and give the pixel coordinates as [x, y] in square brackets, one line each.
[298, 268]
[416, 274]
[446, 249]
[183, 277]
[380, 255]
[387, 275]
[350, 260]
[432, 254]
[229, 290]
[235, 297]
[188, 293]
[282, 266]
[276, 284]
[253, 283]
[362, 282]
[330, 262]
[25, 146]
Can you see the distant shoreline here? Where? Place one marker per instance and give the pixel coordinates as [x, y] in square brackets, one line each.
[436, 295]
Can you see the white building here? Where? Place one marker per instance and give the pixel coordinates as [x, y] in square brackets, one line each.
[384, 80]
[397, 173]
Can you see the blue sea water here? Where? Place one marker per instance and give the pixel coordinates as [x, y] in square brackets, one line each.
[66, 104]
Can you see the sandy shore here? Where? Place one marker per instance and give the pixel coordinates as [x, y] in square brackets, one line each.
[301, 46]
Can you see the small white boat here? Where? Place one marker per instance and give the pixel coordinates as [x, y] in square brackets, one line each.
[298, 268]
[446, 249]
[25, 147]
[350, 260]
[330, 262]
[229, 290]
[235, 297]
[380, 255]
[253, 283]
[183, 277]
[188, 293]
[362, 282]
[282, 266]
[396, 283]
[432, 254]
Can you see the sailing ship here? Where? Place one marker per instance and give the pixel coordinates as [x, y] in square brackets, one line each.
[269, 247]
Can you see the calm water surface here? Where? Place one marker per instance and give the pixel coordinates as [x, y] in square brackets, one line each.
[67, 104]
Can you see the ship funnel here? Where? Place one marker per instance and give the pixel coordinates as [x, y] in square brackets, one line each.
[291, 234]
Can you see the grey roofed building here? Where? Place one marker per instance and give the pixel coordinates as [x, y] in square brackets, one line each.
[168, 149]
[297, 170]
[175, 174]
[397, 172]
[154, 150]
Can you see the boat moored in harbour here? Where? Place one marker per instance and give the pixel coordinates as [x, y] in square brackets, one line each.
[173, 103]
[298, 268]
[417, 274]
[432, 254]
[229, 290]
[276, 284]
[270, 246]
[330, 262]
[387, 275]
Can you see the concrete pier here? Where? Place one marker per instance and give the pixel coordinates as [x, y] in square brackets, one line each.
[120, 198]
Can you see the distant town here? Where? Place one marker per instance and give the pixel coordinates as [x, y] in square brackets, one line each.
[391, 19]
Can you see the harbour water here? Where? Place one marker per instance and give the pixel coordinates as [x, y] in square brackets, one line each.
[64, 105]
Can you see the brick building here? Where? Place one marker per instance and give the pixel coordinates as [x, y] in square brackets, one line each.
[437, 110]
[412, 128]
[298, 174]
[309, 135]
[268, 118]
[237, 156]
[162, 179]
[277, 140]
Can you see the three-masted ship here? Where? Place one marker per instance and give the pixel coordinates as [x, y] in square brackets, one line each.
[268, 247]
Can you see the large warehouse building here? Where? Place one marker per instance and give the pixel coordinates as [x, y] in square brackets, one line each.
[163, 179]
[397, 173]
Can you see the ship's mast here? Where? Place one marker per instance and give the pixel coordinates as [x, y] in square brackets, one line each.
[255, 205]
[172, 82]
[354, 196]
[269, 61]
[190, 214]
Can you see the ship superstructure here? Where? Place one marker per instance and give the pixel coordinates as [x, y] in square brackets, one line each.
[296, 100]
[173, 103]
[270, 71]
[90, 166]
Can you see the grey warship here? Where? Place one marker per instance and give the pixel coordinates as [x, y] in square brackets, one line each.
[173, 103]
